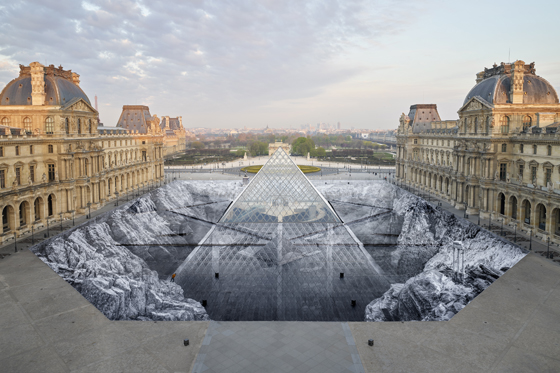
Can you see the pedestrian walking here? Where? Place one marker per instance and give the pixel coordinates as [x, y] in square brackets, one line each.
[173, 277]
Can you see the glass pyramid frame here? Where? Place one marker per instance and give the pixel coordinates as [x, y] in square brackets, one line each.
[280, 252]
[280, 193]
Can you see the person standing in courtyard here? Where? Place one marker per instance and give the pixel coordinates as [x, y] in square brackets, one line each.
[173, 277]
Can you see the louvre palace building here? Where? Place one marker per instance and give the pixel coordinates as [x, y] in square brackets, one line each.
[500, 159]
[56, 162]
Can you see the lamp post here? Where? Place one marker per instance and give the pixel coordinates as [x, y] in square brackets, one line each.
[117, 194]
[548, 247]
[48, 232]
[32, 238]
[502, 228]
[60, 214]
[73, 213]
[515, 233]
[15, 242]
[89, 208]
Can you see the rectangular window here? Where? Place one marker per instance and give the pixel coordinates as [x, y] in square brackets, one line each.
[415, 141]
[2, 179]
[50, 148]
[533, 174]
[1, 151]
[18, 176]
[503, 171]
[144, 155]
[51, 172]
[17, 149]
[504, 148]
[521, 169]
[534, 149]
[32, 173]
[30, 149]
[521, 148]
[547, 176]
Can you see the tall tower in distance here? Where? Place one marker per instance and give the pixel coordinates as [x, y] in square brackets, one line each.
[337, 125]
[96, 103]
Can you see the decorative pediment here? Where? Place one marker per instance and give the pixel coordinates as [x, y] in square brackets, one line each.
[79, 104]
[475, 103]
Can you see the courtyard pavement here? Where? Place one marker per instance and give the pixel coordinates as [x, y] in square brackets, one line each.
[47, 326]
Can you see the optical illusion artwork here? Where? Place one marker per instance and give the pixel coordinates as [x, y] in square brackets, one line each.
[280, 252]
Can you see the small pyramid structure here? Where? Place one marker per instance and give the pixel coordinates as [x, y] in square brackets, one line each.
[280, 193]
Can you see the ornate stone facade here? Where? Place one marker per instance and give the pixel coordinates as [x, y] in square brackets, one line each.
[138, 118]
[54, 159]
[501, 158]
[273, 147]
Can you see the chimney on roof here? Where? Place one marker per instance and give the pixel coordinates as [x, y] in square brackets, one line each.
[37, 83]
[76, 79]
[516, 90]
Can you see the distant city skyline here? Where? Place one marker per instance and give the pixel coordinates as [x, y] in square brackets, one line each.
[281, 64]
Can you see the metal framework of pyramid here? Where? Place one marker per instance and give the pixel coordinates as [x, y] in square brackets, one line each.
[280, 193]
[278, 253]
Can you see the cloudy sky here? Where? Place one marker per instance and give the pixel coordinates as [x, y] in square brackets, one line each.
[279, 63]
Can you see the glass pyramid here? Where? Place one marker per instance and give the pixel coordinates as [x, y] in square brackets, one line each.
[280, 252]
[280, 193]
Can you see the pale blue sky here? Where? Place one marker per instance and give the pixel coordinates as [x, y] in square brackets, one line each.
[279, 63]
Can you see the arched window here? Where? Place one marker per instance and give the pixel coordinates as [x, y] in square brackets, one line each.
[505, 125]
[513, 203]
[22, 220]
[549, 150]
[37, 209]
[502, 199]
[526, 122]
[27, 125]
[49, 126]
[6, 219]
[527, 208]
[79, 126]
[6, 121]
[541, 216]
[50, 205]
[475, 125]
[67, 126]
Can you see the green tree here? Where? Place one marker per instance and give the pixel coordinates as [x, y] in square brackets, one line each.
[302, 146]
[320, 152]
[197, 145]
[258, 148]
